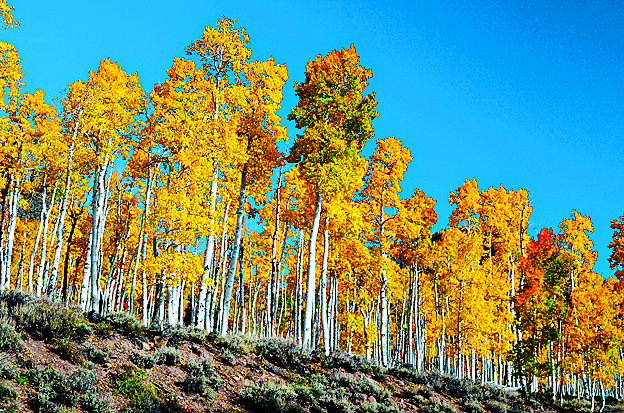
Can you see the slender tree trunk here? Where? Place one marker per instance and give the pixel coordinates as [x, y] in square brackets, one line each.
[31, 266]
[323, 287]
[227, 293]
[59, 234]
[8, 251]
[311, 276]
[208, 254]
[44, 244]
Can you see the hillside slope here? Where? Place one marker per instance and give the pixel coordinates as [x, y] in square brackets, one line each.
[55, 360]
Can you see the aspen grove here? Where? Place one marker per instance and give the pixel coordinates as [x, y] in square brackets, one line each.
[177, 206]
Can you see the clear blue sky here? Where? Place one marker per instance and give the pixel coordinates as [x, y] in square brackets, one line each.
[520, 93]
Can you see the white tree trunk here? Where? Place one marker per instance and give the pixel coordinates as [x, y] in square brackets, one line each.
[44, 244]
[8, 252]
[59, 232]
[31, 266]
[311, 276]
[227, 293]
[208, 256]
[326, 335]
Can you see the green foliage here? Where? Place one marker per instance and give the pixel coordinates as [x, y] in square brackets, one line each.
[67, 350]
[144, 361]
[9, 338]
[93, 402]
[365, 386]
[472, 406]
[168, 356]
[352, 363]
[124, 323]
[130, 383]
[283, 352]
[368, 407]
[178, 334]
[82, 380]
[97, 355]
[437, 407]
[268, 398]
[237, 344]
[198, 374]
[7, 369]
[52, 388]
[335, 401]
[46, 320]
[7, 394]
[495, 406]
[227, 357]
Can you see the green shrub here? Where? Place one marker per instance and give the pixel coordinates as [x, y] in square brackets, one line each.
[13, 298]
[436, 407]
[82, 380]
[352, 363]
[198, 374]
[9, 338]
[7, 394]
[496, 406]
[178, 334]
[45, 320]
[67, 350]
[472, 406]
[368, 407]
[93, 402]
[227, 357]
[168, 356]
[305, 395]
[335, 401]
[130, 383]
[124, 323]
[366, 387]
[52, 387]
[268, 398]
[144, 361]
[283, 352]
[7, 369]
[237, 344]
[97, 355]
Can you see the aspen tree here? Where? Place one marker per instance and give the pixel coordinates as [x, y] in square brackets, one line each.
[336, 118]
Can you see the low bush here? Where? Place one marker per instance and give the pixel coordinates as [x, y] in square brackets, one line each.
[495, 406]
[144, 361]
[437, 407]
[9, 338]
[352, 363]
[227, 357]
[472, 406]
[178, 334]
[97, 355]
[13, 298]
[124, 323]
[237, 344]
[368, 407]
[268, 398]
[45, 320]
[52, 388]
[198, 374]
[7, 394]
[82, 380]
[93, 402]
[366, 387]
[130, 382]
[283, 352]
[7, 369]
[67, 350]
[334, 401]
[168, 356]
